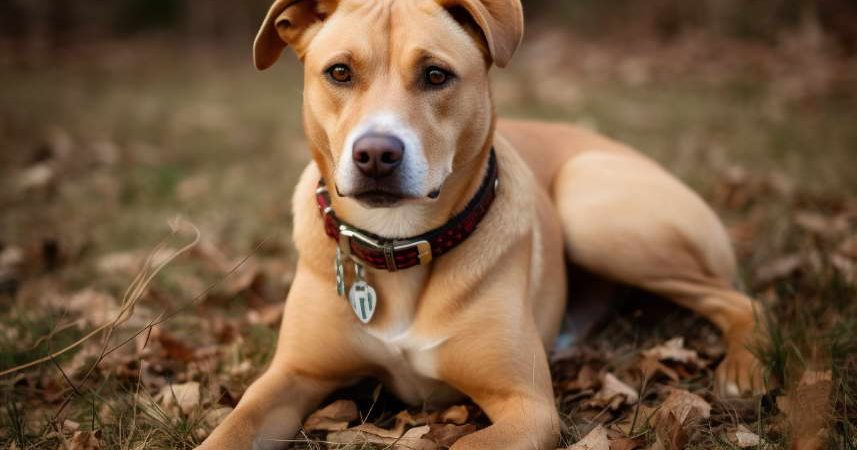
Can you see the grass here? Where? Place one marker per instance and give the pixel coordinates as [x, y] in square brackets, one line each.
[133, 139]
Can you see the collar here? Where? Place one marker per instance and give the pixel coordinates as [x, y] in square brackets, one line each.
[398, 254]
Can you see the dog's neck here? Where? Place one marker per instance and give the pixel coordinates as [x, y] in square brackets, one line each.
[414, 218]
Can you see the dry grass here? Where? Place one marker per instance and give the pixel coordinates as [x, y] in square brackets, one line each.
[97, 157]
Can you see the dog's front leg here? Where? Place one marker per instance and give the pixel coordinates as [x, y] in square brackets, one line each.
[270, 412]
[309, 363]
[506, 373]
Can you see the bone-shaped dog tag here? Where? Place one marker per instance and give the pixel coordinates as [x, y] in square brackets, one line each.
[362, 297]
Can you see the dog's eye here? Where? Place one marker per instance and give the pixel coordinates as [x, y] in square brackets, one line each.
[436, 77]
[339, 73]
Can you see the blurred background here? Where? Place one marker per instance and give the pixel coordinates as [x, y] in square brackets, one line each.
[117, 117]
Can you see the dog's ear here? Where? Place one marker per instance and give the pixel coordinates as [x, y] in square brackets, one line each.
[289, 22]
[500, 21]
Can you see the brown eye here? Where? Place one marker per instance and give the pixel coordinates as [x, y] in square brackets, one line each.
[340, 73]
[436, 76]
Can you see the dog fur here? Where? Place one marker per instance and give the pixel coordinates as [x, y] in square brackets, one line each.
[481, 320]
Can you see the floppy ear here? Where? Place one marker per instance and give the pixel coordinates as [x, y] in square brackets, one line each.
[501, 22]
[287, 23]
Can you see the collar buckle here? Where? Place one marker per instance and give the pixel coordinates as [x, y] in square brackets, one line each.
[423, 250]
[346, 234]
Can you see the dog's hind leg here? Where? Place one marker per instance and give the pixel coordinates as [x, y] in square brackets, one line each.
[627, 219]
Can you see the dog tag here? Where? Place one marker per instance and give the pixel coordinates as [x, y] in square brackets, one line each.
[363, 300]
[339, 269]
[362, 296]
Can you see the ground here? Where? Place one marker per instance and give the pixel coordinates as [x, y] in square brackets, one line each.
[145, 244]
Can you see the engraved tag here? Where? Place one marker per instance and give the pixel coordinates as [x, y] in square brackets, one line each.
[339, 269]
[363, 300]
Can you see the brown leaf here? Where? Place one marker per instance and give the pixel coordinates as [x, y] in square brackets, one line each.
[673, 350]
[446, 434]
[778, 268]
[36, 177]
[95, 308]
[84, 440]
[848, 247]
[845, 266]
[807, 409]
[638, 419]
[405, 418]
[364, 434]
[744, 438]
[614, 393]
[676, 417]
[587, 378]
[594, 440]
[685, 406]
[268, 315]
[670, 433]
[182, 398]
[627, 444]
[173, 347]
[819, 224]
[333, 417]
[651, 366]
[455, 414]
[414, 439]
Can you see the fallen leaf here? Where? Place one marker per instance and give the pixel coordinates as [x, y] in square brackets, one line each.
[364, 434]
[614, 393]
[651, 366]
[180, 397]
[778, 268]
[743, 437]
[819, 224]
[36, 177]
[118, 263]
[84, 440]
[676, 417]
[333, 417]
[446, 434]
[70, 425]
[406, 418]
[10, 257]
[686, 406]
[268, 315]
[673, 350]
[848, 247]
[586, 378]
[413, 440]
[626, 444]
[456, 414]
[807, 408]
[95, 308]
[594, 440]
[845, 266]
[216, 416]
[638, 419]
[173, 347]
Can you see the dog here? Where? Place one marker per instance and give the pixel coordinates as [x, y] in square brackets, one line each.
[433, 237]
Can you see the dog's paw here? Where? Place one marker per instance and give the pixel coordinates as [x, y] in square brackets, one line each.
[740, 374]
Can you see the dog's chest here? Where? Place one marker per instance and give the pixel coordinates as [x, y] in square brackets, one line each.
[408, 356]
[411, 367]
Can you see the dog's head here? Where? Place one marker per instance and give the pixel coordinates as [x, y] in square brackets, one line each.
[396, 92]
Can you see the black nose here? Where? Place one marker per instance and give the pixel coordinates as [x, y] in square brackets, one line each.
[377, 155]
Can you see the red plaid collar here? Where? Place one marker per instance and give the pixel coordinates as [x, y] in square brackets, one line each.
[399, 254]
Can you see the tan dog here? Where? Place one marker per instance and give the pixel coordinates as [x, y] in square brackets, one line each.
[398, 112]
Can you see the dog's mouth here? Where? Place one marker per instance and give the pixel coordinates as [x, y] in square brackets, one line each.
[378, 198]
[385, 198]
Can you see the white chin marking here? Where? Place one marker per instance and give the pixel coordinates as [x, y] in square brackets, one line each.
[413, 172]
